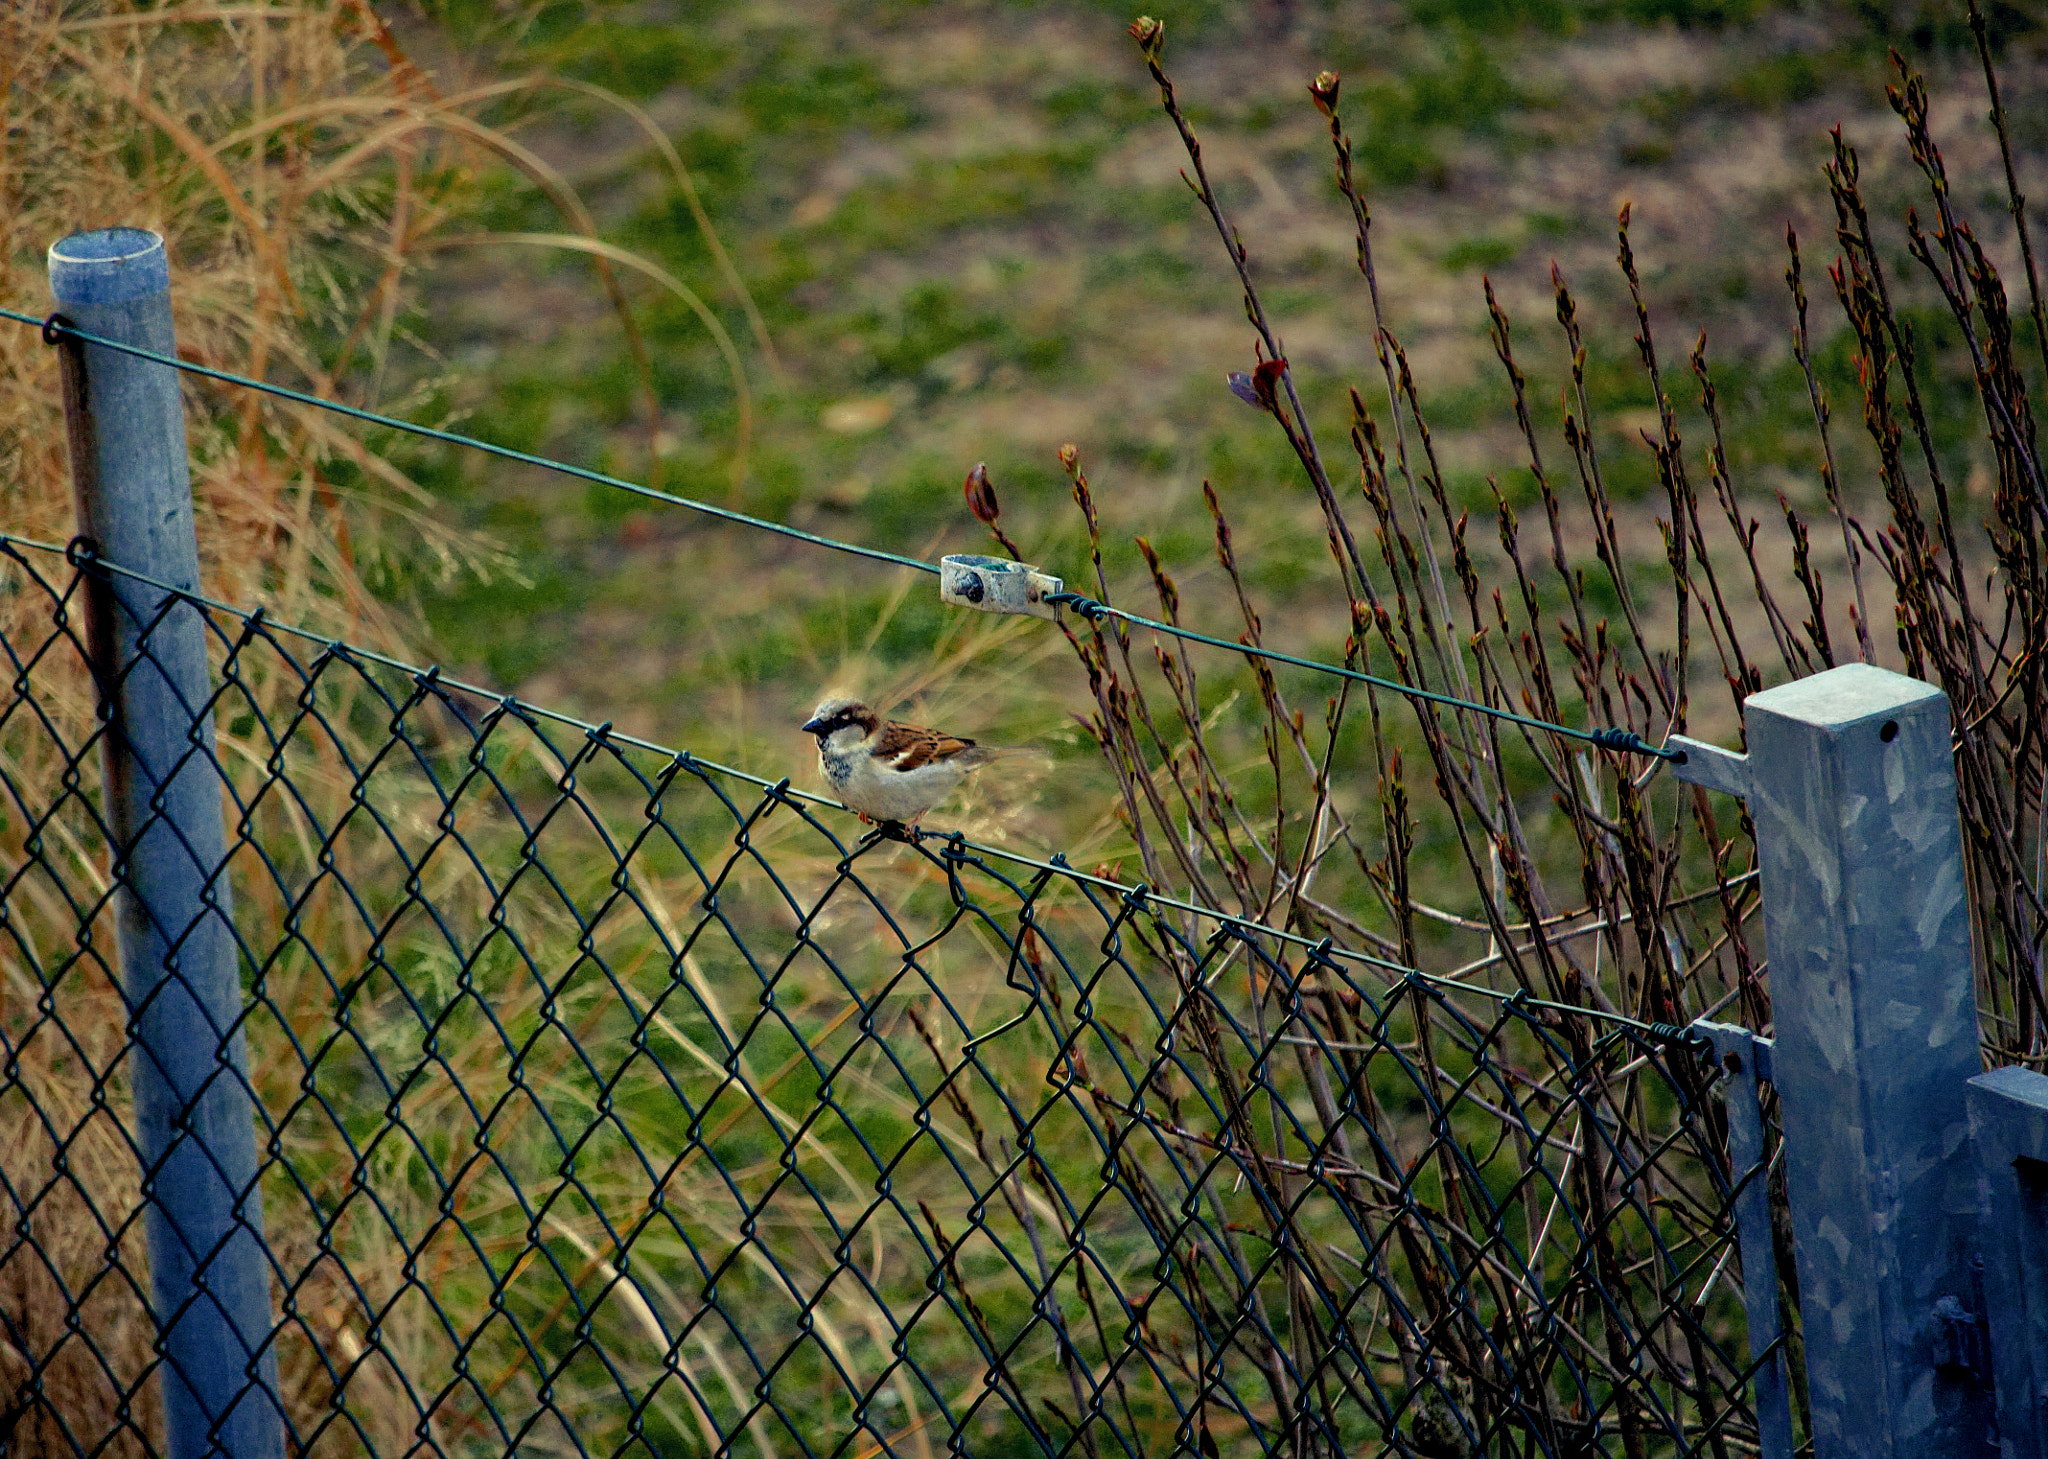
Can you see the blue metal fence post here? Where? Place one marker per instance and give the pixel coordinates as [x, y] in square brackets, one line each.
[1851, 785]
[2009, 1125]
[195, 1118]
[1744, 1059]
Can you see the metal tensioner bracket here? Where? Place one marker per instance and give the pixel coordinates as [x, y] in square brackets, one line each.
[997, 585]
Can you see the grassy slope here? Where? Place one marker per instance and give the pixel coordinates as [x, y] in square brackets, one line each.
[965, 228]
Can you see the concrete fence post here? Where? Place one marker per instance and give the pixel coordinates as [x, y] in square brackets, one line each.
[194, 1114]
[1851, 785]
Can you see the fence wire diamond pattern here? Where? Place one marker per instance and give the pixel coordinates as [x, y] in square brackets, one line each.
[615, 1103]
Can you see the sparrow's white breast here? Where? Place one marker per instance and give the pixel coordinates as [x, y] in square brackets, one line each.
[872, 788]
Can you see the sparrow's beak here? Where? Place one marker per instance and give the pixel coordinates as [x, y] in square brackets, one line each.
[812, 726]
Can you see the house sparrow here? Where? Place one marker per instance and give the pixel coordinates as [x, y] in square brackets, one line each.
[885, 771]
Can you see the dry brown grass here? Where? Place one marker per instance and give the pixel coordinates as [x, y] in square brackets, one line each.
[296, 164]
[301, 168]
[284, 155]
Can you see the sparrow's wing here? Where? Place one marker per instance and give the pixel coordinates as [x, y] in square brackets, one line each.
[906, 747]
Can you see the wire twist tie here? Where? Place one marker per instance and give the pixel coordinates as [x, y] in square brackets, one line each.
[81, 551]
[1087, 607]
[1627, 741]
[1671, 1033]
[54, 326]
[997, 585]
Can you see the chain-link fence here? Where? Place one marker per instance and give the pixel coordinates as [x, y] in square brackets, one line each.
[615, 1102]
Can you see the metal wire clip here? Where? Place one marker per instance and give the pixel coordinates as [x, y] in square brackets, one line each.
[997, 585]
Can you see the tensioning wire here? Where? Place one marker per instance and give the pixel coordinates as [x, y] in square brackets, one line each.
[57, 325]
[953, 845]
[1607, 739]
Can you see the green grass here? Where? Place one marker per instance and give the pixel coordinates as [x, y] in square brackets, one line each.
[975, 218]
[1479, 253]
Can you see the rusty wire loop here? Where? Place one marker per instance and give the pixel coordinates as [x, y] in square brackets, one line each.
[615, 1102]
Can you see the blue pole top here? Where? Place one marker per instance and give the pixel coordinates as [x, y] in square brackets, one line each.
[108, 266]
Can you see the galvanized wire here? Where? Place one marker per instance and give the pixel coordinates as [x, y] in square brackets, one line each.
[614, 1102]
[1620, 740]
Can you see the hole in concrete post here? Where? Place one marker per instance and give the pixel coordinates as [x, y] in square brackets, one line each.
[1890, 731]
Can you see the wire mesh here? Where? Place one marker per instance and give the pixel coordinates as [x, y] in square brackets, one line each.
[615, 1103]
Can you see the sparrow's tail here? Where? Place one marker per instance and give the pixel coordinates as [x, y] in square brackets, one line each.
[976, 756]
